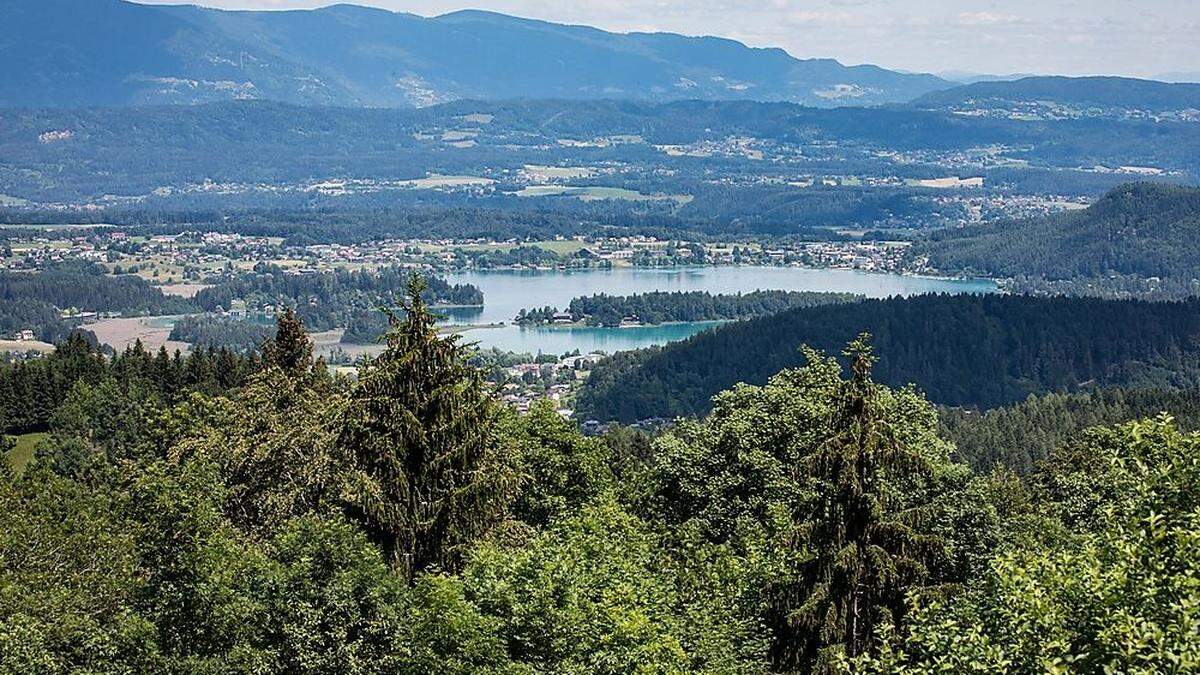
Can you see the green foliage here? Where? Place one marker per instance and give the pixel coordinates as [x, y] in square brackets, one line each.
[602, 592]
[68, 567]
[1020, 435]
[189, 516]
[328, 300]
[866, 532]
[661, 306]
[1119, 596]
[274, 443]
[1140, 230]
[562, 469]
[219, 332]
[428, 473]
[960, 350]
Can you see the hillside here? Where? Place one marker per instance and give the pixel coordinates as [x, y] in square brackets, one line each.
[1067, 97]
[156, 153]
[960, 350]
[1143, 229]
[110, 52]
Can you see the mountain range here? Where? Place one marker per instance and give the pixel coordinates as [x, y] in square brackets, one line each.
[111, 52]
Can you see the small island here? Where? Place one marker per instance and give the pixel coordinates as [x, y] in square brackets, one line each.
[658, 307]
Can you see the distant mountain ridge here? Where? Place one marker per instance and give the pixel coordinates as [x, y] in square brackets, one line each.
[112, 52]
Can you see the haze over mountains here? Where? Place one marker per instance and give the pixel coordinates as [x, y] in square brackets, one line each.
[109, 52]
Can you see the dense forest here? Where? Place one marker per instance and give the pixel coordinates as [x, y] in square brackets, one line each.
[327, 300]
[1141, 230]
[1020, 435]
[89, 287]
[665, 306]
[220, 331]
[274, 519]
[960, 350]
[37, 301]
[1105, 93]
[78, 373]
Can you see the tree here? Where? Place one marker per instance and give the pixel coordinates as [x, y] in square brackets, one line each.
[429, 473]
[863, 531]
[290, 350]
[1112, 589]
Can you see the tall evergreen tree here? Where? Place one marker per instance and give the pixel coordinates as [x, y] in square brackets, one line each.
[290, 350]
[430, 472]
[866, 548]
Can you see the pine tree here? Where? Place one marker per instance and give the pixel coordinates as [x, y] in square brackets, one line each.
[863, 534]
[430, 473]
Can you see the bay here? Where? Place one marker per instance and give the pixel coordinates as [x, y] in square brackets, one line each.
[506, 292]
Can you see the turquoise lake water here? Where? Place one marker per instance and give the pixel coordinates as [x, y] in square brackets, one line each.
[505, 292]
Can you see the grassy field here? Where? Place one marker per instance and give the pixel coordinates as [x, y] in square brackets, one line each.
[25, 346]
[595, 192]
[562, 247]
[22, 453]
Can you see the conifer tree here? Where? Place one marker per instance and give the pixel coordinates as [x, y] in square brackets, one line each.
[290, 350]
[863, 532]
[430, 472]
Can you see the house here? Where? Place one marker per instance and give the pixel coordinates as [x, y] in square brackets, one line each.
[24, 336]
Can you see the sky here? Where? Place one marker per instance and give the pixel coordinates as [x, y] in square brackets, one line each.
[1140, 38]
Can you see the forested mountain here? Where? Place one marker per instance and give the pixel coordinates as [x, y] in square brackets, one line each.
[960, 350]
[1143, 230]
[1073, 96]
[109, 52]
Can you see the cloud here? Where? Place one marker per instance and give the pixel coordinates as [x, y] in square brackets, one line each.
[985, 18]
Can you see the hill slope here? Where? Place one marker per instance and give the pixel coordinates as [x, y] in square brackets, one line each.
[110, 52]
[1142, 229]
[1059, 97]
[960, 350]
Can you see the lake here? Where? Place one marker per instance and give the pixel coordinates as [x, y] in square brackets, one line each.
[505, 292]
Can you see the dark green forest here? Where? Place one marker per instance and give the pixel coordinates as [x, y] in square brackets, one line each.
[220, 331]
[665, 306]
[327, 300]
[1021, 435]
[964, 350]
[1140, 230]
[88, 287]
[201, 514]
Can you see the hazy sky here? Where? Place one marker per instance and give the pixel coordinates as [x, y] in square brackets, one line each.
[1074, 37]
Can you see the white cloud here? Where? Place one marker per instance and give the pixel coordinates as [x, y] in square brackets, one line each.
[985, 18]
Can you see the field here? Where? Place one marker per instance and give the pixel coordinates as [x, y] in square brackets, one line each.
[122, 333]
[25, 346]
[539, 172]
[948, 183]
[21, 453]
[590, 193]
[183, 290]
[559, 246]
[438, 181]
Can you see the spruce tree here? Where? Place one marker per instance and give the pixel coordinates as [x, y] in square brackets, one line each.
[290, 350]
[430, 472]
[863, 535]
